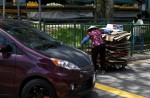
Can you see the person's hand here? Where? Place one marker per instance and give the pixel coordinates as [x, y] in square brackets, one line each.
[104, 35]
[82, 45]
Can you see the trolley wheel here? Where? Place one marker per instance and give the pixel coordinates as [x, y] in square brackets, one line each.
[122, 66]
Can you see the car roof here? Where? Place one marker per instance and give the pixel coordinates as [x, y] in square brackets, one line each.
[8, 24]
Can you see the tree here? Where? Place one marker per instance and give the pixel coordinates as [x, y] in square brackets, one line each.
[109, 6]
[104, 8]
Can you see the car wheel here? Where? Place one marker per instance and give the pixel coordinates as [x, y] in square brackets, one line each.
[38, 88]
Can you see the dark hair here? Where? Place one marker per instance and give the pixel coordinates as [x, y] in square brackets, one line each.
[139, 16]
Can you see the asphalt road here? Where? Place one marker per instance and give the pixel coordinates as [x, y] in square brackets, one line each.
[133, 82]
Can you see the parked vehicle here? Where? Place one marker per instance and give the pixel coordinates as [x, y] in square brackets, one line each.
[35, 65]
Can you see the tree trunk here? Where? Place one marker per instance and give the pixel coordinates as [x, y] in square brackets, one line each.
[104, 8]
[109, 8]
[100, 8]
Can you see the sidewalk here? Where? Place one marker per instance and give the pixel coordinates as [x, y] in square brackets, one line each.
[140, 56]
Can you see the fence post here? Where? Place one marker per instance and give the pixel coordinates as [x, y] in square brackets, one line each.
[39, 2]
[44, 25]
[4, 8]
[132, 40]
[75, 34]
[81, 35]
[18, 9]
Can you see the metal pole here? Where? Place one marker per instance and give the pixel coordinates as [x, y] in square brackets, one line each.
[132, 40]
[18, 4]
[39, 13]
[4, 1]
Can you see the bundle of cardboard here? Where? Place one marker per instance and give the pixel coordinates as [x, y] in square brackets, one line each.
[117, 36]
[117, 46]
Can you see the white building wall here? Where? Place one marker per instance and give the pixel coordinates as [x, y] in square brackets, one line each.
[143, 7]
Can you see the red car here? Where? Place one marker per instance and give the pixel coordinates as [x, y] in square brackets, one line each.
[35, 65]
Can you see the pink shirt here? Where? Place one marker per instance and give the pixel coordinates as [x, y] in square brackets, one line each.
[96, 37]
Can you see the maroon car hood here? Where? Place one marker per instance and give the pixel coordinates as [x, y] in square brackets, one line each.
[68, 53]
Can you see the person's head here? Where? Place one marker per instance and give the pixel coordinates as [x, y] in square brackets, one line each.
[91, 28]
[139, 16]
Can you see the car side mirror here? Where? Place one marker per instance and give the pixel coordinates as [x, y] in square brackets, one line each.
[5, 48]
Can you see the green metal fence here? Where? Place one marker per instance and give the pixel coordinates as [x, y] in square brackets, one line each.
[73, 33]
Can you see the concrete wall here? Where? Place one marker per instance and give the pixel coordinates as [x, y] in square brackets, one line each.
[22, 1]
[1, 2]
[148, 4]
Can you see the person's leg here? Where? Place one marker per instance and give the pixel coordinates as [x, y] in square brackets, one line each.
[142, 43]
[94, 57]
[134, 43]
[102, 56]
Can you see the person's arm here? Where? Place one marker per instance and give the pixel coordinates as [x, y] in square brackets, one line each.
[85, 40]
[106, 31]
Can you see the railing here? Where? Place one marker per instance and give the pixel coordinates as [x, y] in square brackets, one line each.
[73, 33]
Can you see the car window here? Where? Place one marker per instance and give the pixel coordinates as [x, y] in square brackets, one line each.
[2, 40]
[33, 38]
[19, 51]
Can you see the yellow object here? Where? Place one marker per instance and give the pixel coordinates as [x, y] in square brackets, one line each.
[32, 4]
[126, 7]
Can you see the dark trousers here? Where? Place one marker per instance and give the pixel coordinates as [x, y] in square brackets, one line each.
[99, 50]
[135, 40]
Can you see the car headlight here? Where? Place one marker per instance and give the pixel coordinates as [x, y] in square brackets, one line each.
[65, 64]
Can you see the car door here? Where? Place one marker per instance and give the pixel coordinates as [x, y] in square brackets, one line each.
[7, 69]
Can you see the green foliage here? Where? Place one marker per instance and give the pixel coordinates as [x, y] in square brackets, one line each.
[68, 35]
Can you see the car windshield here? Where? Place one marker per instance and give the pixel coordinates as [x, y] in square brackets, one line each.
[34, 39]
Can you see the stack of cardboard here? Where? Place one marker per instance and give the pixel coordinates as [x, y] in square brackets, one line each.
[117, 48]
